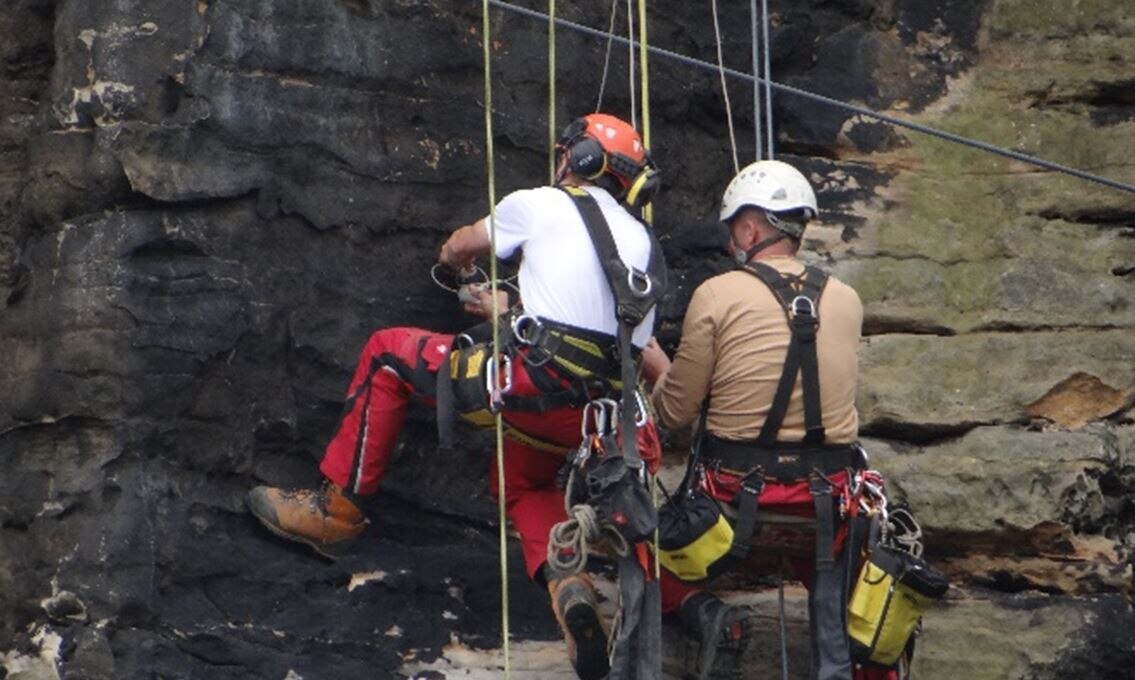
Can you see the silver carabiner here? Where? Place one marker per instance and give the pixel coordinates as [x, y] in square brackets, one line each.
[641, 414]
[462, 341]
[584, 419]
[610, 410]
[492, 375]
[633, 274]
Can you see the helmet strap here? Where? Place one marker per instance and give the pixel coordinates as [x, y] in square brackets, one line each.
[758, 247]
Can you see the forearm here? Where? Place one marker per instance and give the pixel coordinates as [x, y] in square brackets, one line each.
[679, 392]
[465, 245]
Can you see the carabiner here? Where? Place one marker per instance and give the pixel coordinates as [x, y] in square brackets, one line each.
[492, 380]
[641, 414]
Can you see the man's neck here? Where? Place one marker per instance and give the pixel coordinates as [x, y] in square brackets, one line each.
[775, 250]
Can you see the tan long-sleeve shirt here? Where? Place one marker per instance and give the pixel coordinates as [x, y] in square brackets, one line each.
[734, 342]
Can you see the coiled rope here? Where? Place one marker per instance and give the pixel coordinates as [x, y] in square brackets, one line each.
[571, 541]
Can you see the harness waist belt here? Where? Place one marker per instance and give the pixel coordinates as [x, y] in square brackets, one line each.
[789, 461]
[580, 352]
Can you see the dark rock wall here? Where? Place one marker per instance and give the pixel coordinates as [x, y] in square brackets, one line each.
[205, 207]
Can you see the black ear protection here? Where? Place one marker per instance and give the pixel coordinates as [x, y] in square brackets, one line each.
[586, 156]
[588, 159]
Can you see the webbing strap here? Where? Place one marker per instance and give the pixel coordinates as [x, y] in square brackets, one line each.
[747, 501]
[799, 297]
[831, 652]
[635, 293]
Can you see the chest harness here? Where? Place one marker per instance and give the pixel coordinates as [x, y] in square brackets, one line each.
[767, 459]
[569, 366]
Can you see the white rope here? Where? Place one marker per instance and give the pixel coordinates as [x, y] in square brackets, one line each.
[725, 88]
[607, 54]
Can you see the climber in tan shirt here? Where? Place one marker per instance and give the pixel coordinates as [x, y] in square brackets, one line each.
[736, 340]
[735, 337]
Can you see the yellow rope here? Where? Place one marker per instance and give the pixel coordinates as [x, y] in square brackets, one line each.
[552, 134]
[490, 169]
[648, 212]
[644, 73]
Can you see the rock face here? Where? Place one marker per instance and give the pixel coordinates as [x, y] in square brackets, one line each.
[206, 207]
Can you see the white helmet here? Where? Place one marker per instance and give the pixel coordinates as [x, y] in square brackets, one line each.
[777, 188]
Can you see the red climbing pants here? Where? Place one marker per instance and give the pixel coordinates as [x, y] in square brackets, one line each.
[799, 548]
[398, 365]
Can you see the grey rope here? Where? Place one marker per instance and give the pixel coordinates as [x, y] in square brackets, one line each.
[768, 76]
[861, 110]
[756, 85]
[607, 55]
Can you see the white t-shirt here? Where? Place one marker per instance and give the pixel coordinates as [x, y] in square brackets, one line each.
[560, 275]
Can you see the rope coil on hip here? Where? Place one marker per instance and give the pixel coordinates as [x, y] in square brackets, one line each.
[570, 541]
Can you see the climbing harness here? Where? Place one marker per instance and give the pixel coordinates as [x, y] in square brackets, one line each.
[617, 486]
[806, 473]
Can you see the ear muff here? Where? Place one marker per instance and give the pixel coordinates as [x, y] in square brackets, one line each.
[644, 187]
[587, 158]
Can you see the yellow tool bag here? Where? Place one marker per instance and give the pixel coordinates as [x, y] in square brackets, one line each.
[894, 588]
[694, 538]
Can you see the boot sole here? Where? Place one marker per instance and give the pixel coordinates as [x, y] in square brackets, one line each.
[331, 552]
[707, 656]
[591, 662]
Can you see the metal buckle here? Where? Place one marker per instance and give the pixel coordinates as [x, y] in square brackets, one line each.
[462, 341]
[809, 309]
[632, 275]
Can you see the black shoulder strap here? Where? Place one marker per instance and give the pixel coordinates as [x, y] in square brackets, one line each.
[635, 292]
[799, 297]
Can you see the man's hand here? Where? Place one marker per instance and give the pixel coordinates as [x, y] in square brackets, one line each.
[655, 363]
[463, 246]
[477, 299]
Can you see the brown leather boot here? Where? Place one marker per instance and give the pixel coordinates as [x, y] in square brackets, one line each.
[577, 611]
[323, 518]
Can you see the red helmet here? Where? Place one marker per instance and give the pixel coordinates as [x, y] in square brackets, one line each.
[599, 144]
